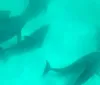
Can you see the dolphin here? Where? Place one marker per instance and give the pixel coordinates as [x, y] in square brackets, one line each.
[32, 42]
[12, 26]
[83, 69]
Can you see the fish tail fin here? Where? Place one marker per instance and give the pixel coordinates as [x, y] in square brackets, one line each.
[47, 68]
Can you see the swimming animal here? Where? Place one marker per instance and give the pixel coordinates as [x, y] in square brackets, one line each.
[12, 26]
[32, 42]
[83, 69]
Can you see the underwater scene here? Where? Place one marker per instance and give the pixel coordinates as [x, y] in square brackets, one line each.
[49, 42]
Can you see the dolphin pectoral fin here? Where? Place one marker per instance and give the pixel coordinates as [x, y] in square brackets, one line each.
[19, 37]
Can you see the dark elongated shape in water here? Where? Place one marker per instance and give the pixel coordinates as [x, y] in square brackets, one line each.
[12, 26]
[32, 42]
[84, 68]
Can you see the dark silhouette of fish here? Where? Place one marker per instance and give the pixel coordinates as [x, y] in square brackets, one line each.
[83, 69]
[12, 26]
[32, 42]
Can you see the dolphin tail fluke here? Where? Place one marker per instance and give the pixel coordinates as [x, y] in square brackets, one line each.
[47, 68]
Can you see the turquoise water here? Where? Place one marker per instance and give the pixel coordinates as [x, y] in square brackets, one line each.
[72, 34]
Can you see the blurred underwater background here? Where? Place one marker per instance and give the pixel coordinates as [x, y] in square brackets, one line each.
[59, 31]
